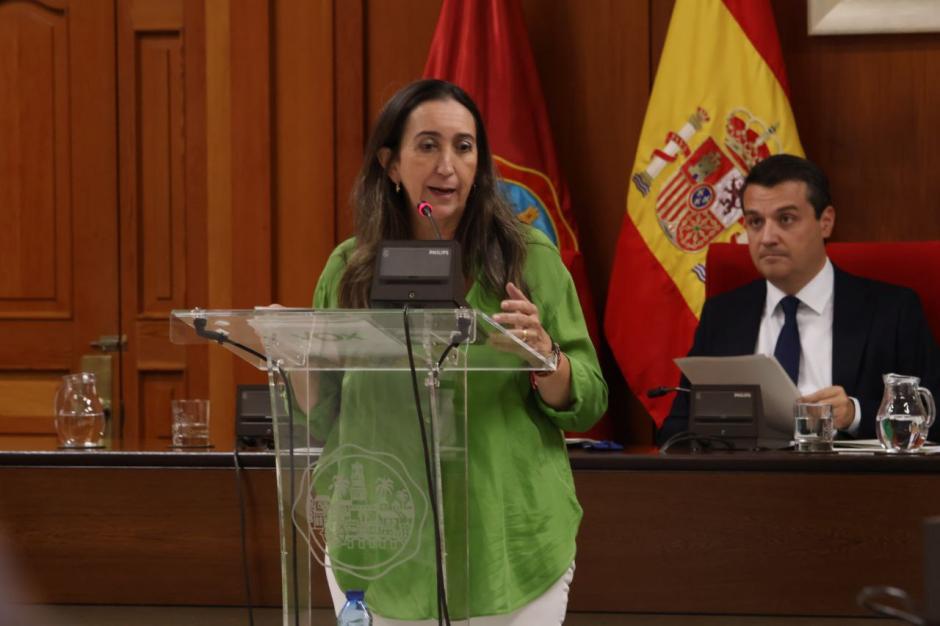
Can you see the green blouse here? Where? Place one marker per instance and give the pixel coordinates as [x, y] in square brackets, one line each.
[523, 512]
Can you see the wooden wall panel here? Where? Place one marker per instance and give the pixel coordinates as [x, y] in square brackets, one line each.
[866, 108]
[660, 14]
[251, 262]
[159, 106]
[218, 167]
[351, 124]
[238, 268]
[318, 131]
[397, 39]
[304, 173]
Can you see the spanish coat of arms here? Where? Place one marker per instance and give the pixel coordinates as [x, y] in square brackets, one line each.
[702, 198]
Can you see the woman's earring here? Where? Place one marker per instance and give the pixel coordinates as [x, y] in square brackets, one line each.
[397, 187]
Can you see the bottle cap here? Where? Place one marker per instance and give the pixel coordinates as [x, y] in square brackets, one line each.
[355, 595]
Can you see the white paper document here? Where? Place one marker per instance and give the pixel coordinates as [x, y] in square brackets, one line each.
[778, 392]
[873, 445]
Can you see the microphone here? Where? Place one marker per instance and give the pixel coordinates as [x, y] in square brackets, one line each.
[425, 209]
[419, 273]
[657, 392]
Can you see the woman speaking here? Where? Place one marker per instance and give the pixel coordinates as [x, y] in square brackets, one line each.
[429, 145]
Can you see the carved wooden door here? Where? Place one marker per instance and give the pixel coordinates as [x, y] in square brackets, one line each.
[58, 200]
[102, 205]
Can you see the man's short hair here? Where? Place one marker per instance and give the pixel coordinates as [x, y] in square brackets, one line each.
[781, 168]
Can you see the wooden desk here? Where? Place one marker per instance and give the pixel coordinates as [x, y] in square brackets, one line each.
[770, 533]
[151, 527]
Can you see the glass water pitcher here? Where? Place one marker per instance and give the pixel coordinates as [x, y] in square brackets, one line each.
[79, 415]
[907, 411]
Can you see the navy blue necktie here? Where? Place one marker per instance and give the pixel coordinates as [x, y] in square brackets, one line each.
[788, 343]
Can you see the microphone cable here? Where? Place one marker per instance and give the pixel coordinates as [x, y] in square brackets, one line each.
[698, 442]
[458, 337]
[199, 324]
[442, 611]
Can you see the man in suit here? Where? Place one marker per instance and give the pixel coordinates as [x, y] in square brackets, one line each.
[835, 334]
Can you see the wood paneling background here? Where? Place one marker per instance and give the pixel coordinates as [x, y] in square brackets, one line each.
[867, 107]
[275, 98]
[58, 199]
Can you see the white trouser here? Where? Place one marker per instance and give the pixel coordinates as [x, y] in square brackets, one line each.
[547, 610]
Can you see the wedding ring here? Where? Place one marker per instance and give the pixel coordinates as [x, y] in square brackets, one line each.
[525, 335]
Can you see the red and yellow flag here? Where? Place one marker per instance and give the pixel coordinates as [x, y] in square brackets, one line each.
[719, 105]
[483, 46]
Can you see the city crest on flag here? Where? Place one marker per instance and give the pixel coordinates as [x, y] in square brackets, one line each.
[534, 200]
[701, 198]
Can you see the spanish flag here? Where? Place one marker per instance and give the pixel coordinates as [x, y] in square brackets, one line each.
[719, 105]
[483, 46]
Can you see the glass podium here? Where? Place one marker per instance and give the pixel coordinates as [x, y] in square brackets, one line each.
[370, 425]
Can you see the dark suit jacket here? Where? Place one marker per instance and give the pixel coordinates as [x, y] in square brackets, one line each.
[876, 328]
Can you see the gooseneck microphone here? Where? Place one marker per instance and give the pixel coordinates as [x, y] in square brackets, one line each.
[425, 209]
[657, 392]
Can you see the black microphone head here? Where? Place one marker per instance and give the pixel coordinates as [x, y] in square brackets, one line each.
[425, 208]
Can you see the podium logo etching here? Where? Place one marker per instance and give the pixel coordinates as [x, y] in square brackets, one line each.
[363, 509]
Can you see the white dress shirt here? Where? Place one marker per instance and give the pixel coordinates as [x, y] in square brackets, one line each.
[814, 319]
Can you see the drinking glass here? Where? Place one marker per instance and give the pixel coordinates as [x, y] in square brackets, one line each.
[190, 423]
[812, 428]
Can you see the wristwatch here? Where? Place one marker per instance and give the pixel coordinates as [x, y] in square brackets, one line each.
[553, 358]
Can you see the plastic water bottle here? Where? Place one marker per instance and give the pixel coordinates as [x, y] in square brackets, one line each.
[355, 612]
